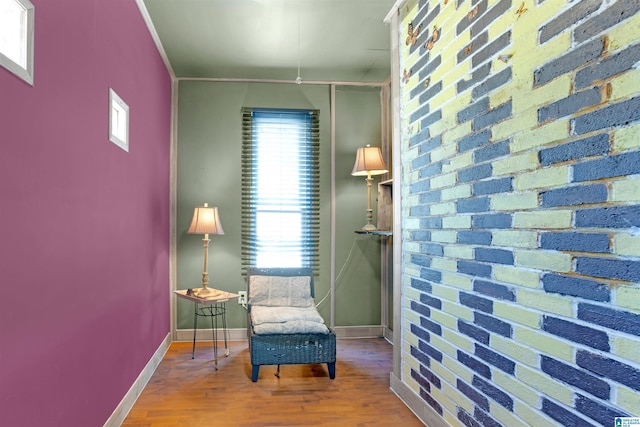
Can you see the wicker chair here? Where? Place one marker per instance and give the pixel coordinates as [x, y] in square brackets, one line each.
[288, 349]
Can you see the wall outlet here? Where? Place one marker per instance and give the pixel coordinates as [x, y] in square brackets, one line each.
[242, 298]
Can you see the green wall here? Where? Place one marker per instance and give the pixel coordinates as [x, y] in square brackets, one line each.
[208, 159]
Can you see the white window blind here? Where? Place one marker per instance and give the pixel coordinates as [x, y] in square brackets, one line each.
[280, 188]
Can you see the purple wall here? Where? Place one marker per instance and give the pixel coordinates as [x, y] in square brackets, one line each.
[84, 225]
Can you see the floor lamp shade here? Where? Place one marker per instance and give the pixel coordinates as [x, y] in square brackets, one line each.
[206, 220]
[369, 162]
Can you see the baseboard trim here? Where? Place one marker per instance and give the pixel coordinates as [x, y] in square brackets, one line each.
[419, 407]
[120, 413]
[240, 334]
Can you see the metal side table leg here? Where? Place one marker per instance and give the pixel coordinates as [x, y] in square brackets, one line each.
[195, 328]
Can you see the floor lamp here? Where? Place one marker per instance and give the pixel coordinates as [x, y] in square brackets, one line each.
[206, 220]
[369, 162]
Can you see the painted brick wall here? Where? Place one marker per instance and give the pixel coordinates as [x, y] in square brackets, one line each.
[521, 210]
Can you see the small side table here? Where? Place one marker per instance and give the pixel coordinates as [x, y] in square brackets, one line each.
[213, 307]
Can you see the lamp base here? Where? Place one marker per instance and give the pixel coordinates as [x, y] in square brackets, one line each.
[208, 293]
[369, 227]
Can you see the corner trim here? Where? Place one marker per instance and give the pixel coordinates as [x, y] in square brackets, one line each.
[120, 413]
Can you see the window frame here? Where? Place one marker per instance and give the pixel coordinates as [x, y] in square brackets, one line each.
[24, 72]
[310, 235]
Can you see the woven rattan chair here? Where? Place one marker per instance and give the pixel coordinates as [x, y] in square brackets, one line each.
[288, 349]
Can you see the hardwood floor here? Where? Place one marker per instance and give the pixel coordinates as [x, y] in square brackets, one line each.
[186, 392]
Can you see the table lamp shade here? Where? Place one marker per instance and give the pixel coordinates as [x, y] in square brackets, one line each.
[206, 220]
[369, 161]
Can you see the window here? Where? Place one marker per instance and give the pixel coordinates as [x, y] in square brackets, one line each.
[280, 188]
[118, 121]
[16, 38]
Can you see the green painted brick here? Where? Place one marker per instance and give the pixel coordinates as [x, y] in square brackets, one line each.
[531, 416]
[444, 372]
[543, 135]
[458, 369]
[457, 222]
[517, 276]
[513, 125]
[627, 296]
[459, 162]
[445, 292]
[515, 164]
[625, 190]
[545, 302]
[517, 314]
[543, 260]
[516, 388]
[516, 351]
[625, 244]
[624, 86]
[544, 384]
[463, 342]
[444, 236]
[460, 281]
[515, 238]
[514, 201]
[447, 208]
[628, 399]
[460, 191]
[545, 343]
[456, 311]
[552, 219]
[445, 180]
[444, 264]
[543, 95]
[459, 251]
[627, 347]
[542, 178]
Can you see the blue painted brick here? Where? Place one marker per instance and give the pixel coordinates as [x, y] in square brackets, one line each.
[430, 144]
[494, 116]
[483, 20]
[609, 66]
[420, 309]
[504, 364]
[431, 222]
[421, 235]
[421, 285]
[473, 110]
[431, 119]
[613, 115]
[490, 152]
[574, 195]
[421, 210]
[609, 368]
[609, 217]
[477, 43]
[478, 75]
[497, 44]
[575, 377]
[621, 269]
[474, 268]
[477, 204]
[420, 356]
[424, 384]
[578, 242]
[497, 256]
[579, 149]
[421, 260]
[466, 419]
[465, 22]
[426, 65]
[476, 302]
[607, 167]
[492, 186]
[421, 161]
[598, 412]
[622, 321]
[562, 415]
[474, 237]
[430, 376]
[431, 326]
[492, 324]
[494, 393]
[615, 13]
[474, 140]
[420, 112]
[430, 351]
[420, 333]
[431, 275]
[419, 139]
[484, 418]
[431, 301]
[566, 19]
[577, 333]
[582, 55]
[431, 170]
[493, 290]
[473, 394]
[473, 331]
[475, 173]
[433, 90]
[577, 287]
[436, 249]
[570, 105]
[420, 186]
[498, 220]
[493, 82]
[432, 402]
[430, 196]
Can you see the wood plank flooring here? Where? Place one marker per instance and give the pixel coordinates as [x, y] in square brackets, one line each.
[186, 392]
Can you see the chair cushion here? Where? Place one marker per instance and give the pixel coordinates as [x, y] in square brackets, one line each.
[280, 291]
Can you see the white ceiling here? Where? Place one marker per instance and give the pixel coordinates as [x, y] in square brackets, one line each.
[332, 40]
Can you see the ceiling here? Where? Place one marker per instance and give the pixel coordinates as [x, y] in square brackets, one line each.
[331, 40]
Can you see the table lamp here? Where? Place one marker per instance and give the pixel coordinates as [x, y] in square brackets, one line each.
[206, 220]
[369, 162]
